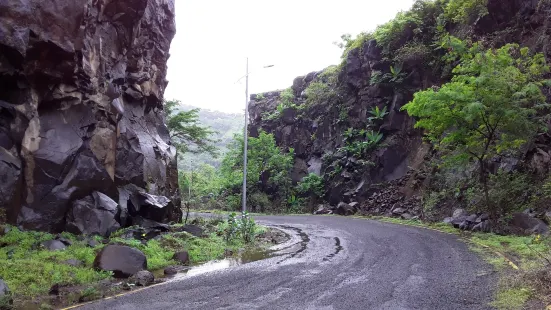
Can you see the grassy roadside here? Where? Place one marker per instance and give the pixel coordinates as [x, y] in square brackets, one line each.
[525, 273]
[30, 270]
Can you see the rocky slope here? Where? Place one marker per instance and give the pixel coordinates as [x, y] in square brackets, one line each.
[82, 140]
[325, 109]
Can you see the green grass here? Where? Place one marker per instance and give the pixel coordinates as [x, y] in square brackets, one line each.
[511, 298]
[30, 270]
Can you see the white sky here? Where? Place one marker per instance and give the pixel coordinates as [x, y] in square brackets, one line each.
[214, 37]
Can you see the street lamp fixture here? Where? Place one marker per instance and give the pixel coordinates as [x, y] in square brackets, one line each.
[245, 138]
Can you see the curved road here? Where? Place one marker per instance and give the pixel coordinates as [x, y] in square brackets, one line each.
[335, 263]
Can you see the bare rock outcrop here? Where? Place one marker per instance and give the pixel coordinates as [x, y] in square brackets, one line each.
[63, 134]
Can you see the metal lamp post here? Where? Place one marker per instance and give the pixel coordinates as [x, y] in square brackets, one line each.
[245, 138]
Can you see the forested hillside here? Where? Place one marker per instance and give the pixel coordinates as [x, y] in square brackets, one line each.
[225, 125]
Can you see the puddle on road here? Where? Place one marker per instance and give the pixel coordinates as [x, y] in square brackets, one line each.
[242, 258]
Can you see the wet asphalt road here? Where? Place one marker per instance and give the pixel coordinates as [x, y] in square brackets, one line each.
[335, 263]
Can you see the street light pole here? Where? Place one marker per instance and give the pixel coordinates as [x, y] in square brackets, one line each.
[246, 137]
[245, 141]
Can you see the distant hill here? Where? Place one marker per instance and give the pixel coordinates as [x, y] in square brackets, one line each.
[225, 124]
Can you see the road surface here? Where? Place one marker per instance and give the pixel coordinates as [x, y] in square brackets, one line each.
[335, 263]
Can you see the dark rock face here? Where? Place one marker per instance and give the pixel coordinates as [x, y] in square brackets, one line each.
[64, 132]
[317, 132]
[124, 261]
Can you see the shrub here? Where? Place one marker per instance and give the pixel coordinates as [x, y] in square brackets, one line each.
[412, 52]
[466, 11]
[495, 96]
[318, 92]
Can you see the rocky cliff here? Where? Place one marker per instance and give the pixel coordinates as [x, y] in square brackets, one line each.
[326, 115]
[83, 143]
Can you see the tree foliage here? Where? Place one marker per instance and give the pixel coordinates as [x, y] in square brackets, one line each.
[488, 108]
[268, 169]
[186, 132]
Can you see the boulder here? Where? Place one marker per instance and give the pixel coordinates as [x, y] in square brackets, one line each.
[459, 213]
[136, 203]
[54, 245]
[93, 215]
[344, 209]
[524, 223]
[142, 278]
[471, 218]
[181, 257]
[124, 261]
[5, 296]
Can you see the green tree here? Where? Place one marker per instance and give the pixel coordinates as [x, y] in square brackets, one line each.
[186, 132]
[268, 168]
[312, 186]
[489, 107]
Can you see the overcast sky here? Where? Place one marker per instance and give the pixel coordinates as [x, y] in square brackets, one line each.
[214, 37]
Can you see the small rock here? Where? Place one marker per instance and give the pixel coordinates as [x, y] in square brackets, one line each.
[54, 290]
[228, 252]
[54, 245]
[92, 243]
[398, 211]
[170, 270]
[142, 278]
[124, 261]
[406, 216]
[459, 213]
[5, 295]
[73, 262]
[344, 209]
[65, 241]
[181, 257]
[464, 225]
[456, 221]
[194, 230]
[448, 220]
[483, 227]
[354, 204]
[322, 209]
[483, 217]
